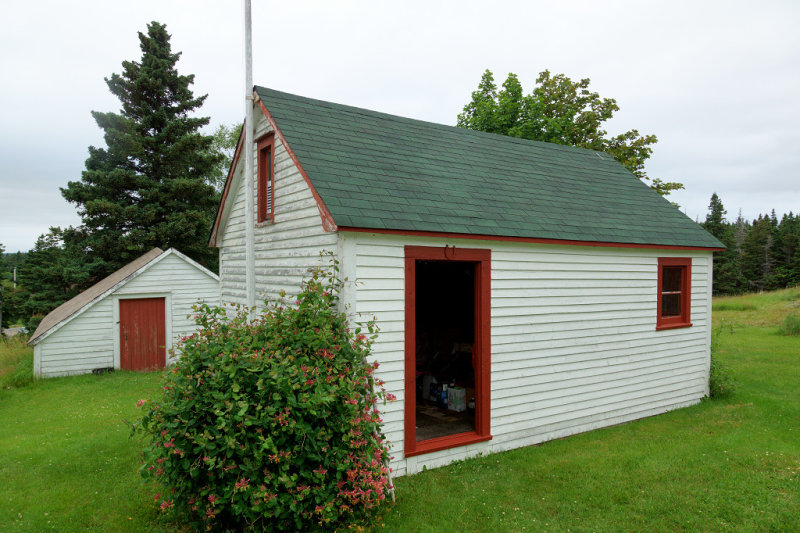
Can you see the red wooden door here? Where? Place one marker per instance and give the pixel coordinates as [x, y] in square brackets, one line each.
[142, 335]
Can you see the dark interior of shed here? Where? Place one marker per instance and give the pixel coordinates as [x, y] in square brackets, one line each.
[445, 335]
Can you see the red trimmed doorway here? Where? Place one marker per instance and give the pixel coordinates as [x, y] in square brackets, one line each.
[447, 347]
[142, 334]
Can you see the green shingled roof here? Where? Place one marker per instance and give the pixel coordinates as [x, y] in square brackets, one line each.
[379, 171]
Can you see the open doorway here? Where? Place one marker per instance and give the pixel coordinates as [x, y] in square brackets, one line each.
[445, 335]
[447, 348]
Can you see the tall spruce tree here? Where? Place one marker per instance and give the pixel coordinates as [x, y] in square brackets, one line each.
[727, 276]
[787, 251]
[149, 186]
[757, 254]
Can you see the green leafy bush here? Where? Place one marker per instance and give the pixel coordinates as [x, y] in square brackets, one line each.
[720, 382]
[271, 424]
[791, 325]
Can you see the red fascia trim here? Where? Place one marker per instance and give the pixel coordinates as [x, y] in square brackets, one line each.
[327, 220]
[417, 233]
[684, 320]
[218, 219]
[482, 363]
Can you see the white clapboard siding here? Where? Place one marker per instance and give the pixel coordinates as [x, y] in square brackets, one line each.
[284, 248]
[573, 338]
[89, 339]
[87, 342]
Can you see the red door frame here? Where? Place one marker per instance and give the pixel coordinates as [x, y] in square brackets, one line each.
[135, 312]
[481, 357]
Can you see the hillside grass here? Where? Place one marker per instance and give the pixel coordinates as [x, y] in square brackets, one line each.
[67, 462]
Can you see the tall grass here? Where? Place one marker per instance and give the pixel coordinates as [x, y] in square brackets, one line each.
[16, 362]
[720, 381]
[791, 325]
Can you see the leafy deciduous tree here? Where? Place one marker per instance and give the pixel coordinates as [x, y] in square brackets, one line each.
[224, 143]
[559, 110]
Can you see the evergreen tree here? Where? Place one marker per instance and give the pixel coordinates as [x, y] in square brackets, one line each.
[727, 276]
[561, 111]
[715, 222]
[787, 251]
[53, 273]
[740, 230]
[12, 294]
[757, 250]
[149, 186]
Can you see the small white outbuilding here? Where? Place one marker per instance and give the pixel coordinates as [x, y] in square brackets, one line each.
[128, 320]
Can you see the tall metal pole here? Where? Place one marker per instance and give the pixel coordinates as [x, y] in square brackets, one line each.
[250, 257]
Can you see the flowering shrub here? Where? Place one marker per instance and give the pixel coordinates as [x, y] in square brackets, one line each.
[273, 423]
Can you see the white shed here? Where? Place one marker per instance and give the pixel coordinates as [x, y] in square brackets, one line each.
[548, 287]
[128, 320]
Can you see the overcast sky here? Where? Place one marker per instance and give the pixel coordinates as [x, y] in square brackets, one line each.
[717, 82]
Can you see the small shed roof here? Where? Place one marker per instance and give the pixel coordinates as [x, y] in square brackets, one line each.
[73, 307]
[378, 171]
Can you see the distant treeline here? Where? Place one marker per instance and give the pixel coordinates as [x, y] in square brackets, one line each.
[760, 255]
[9, 263]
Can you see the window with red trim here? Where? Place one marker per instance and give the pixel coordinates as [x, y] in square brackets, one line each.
[674, 292]
[266, 178]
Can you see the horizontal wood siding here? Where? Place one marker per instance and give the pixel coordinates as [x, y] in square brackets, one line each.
[574, 344]
[80, 346]
[285, 248]
[87, 341]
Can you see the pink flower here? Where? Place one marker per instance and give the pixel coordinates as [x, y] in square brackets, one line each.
[242, 484]
[212, 498]
[141, 403]
[390, 397]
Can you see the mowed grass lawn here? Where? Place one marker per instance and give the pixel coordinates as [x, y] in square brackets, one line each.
[66, 460]
[68, 464]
